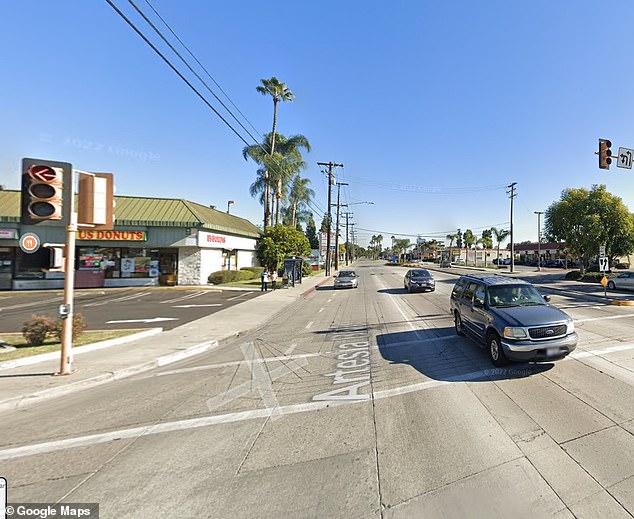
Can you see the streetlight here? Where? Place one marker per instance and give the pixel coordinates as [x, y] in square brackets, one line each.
[539, 240]
[229, 204]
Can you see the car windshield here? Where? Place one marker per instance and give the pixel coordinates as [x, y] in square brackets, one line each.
[514, 295]
[420, 273]
[346, 274]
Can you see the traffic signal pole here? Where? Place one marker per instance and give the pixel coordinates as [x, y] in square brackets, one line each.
[67, 311]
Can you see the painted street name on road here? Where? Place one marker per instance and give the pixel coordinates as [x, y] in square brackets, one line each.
[353, 368]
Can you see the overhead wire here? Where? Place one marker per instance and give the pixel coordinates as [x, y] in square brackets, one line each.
[276, 162]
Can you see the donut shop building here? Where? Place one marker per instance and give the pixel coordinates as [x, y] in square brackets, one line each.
[156, 241]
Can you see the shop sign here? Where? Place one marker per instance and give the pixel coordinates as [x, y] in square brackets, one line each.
[87, 234]
[8, 234]
[214, 238]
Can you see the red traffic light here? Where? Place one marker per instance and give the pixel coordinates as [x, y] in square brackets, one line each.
[43, 184]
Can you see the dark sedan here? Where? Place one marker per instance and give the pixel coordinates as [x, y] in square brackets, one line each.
[419, 280]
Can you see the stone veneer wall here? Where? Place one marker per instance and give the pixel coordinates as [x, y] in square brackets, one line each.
[189, 262]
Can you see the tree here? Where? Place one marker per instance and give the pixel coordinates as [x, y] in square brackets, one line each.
[311, 233]
[586, 219]
[299, 197]
[451, 238]
[400, 247]
[500, 236]
[279, 242]
[279, 92]
[278, 168]
[469, 240]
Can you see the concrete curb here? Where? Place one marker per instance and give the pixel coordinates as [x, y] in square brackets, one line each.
[39, 396]
[35, 359]
[312, 289]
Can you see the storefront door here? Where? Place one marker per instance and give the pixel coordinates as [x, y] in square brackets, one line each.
[6, 268]
[168, 268]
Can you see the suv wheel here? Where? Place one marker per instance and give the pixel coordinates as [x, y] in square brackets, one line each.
[458, 324]
[611, 285]
[496, 352]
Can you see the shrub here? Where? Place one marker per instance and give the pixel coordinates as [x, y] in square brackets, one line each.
[79, 325]
[573, 274]
[229, 276]
[256, 271]
[307, 269]
[37, 328]
[592, 277]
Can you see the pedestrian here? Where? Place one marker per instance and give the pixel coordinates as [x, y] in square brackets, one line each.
[274, 279]
[265, 281]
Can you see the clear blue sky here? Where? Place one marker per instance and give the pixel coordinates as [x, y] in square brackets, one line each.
[433, 107]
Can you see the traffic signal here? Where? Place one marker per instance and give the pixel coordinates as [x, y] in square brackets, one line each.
[605, 154]
[96, 200]
[55, 257]
[43, 185]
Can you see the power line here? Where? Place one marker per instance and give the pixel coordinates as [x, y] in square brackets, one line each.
[176, 71]
[428, 234]
[431, 190]
[201, 65]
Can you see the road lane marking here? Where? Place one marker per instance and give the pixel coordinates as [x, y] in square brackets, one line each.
[241, 295]
[590, 319]
[263, 381]
[264, 360]
[309, 324]
[185, 297]
[149, 320]
[290, 349]
[196, 306]
[35, 303]
[321, 310]
[582, 354]
[119, 299]
[181, 425]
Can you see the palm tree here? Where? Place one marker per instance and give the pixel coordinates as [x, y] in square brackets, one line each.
[279, 92]
[469, 240]
[290, 165]
[500, 236]
[451, 238]
[279, 166]
[299, 197]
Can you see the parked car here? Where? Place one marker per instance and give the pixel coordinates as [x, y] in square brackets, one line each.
[623, 280]
[346, 279]
[460, 261]
[445, 264]
[511, 319]
[419, 280]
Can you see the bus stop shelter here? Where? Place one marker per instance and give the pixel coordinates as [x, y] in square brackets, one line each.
[292, 271]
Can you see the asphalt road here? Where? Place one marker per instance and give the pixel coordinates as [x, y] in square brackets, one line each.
[356, 403]
[121, 308]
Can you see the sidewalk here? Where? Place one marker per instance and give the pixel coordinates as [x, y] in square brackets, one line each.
[24, 385]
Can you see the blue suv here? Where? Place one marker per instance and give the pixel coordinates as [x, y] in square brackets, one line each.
[511, 319]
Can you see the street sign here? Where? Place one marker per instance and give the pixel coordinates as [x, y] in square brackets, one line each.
[604, 281]
[601, 250]
[29, 242]
[604, 264]
[626, 155]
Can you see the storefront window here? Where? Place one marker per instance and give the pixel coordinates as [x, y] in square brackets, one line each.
[139, 263]
[29, 266]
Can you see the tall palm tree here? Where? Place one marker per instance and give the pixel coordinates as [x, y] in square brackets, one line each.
[299, 197]
[291, 165]
[279, 166]
[451, 238]
[500, 236]
[279, 92]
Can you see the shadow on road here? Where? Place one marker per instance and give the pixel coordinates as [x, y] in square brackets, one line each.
[441, 355]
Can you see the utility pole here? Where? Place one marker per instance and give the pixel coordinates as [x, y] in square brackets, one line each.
[539, 240]
[352, 251]
[339, 184]
[512, 192]
[331, 178]
[347, 240]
